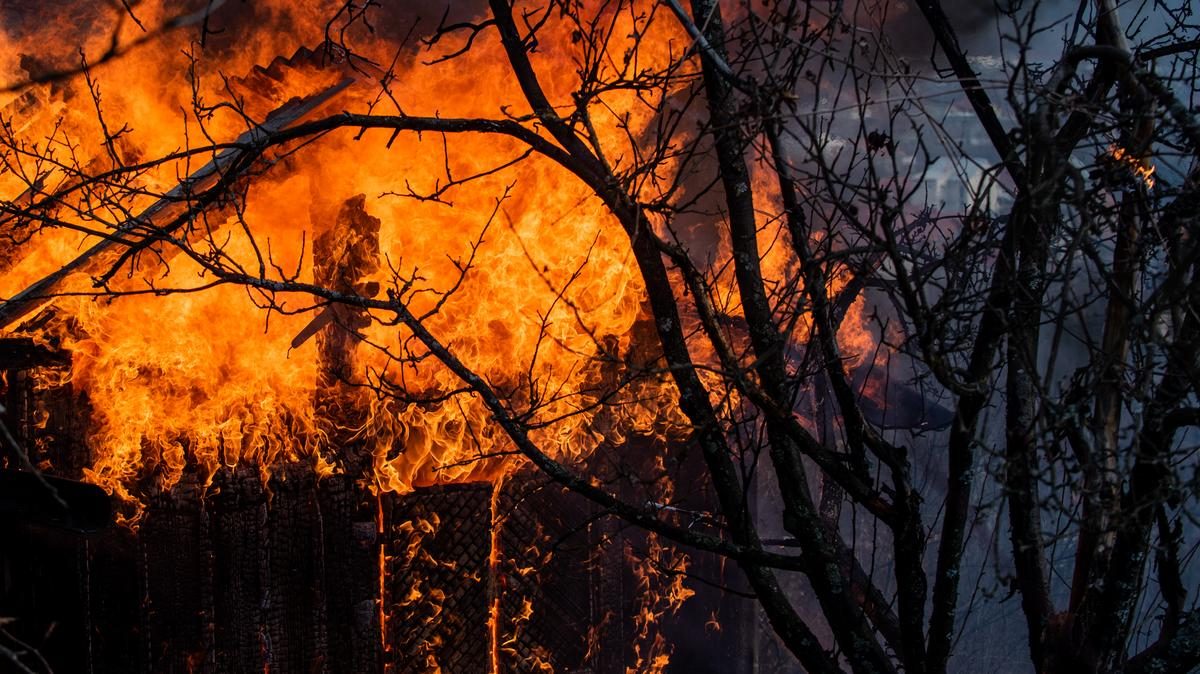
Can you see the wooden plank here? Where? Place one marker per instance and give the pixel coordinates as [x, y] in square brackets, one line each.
[237, 514]
[176, 571]
[294, 605]
[350, 557]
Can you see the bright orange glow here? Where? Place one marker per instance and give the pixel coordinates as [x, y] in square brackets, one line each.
[1140, 167]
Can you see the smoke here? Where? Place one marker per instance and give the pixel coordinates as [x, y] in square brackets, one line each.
[382, 27]
[903, 26]
[975, 21]
[48, 38]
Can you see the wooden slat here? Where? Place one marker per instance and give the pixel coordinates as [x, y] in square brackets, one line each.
[350, 557]
[294, 605]
[237, 515]
[176, 560]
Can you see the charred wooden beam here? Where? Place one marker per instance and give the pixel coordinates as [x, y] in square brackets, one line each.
[294, 607]
[237, 516]
[345, 254]
[23, 353]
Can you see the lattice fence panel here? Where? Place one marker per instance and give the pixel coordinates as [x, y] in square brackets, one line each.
[439, 592]
[544, 577]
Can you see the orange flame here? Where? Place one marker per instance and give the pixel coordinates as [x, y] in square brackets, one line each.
[1139, 166]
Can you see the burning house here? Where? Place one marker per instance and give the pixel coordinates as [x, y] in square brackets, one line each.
[596, 337]
[193, 491]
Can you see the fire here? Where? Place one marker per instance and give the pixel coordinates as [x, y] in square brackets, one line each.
[214, 382]
[522, 271]
[660, 573]
[1139, 166]
[552, 296]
